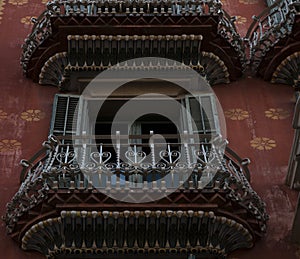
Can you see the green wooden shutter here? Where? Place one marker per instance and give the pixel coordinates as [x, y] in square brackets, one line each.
[63, 119]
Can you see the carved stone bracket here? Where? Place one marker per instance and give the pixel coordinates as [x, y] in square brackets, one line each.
[130, 232]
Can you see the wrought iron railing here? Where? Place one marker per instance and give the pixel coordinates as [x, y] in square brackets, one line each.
[122, 158]
[268, 28]
[40, 32]
[137, 8]
[229, 32]
[137, 168]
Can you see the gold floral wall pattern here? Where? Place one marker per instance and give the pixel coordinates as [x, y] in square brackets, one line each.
[3, 115]
[237, 114]
[9, 145]
[2, 3]
[240, 20]
[248, 1]
[27, 20]
[32, 115]
[18, 2]
[277, 114]
[263, 143]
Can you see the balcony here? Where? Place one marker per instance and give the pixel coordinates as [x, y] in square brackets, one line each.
[273, 51]
[136, 195]
[118, 27]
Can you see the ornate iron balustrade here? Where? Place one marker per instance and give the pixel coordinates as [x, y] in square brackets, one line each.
[40, 32]
[134, 8]
[228, 31]
[126, 159]
[60, 168]
[130, 166]
[268, 28]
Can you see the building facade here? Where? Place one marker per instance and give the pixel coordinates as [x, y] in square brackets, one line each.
[91, 191]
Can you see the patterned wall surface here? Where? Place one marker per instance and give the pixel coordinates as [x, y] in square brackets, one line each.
[258, 117]
[259, 143]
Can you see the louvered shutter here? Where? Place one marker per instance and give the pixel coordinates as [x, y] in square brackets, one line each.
[202, 110]
[63, 119]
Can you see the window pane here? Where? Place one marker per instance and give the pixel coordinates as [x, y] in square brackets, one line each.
[208, 114]
[196, 114]
[201, 114]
